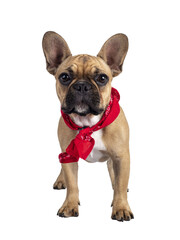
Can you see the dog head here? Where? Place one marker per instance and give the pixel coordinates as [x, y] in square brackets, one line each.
[83, 82]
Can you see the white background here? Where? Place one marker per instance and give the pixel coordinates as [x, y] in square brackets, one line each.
[149, 88]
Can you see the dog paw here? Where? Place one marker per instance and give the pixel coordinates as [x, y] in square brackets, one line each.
[59, 184]
[122, 213]
[69, 209]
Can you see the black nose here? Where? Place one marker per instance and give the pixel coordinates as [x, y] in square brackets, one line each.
[82, 87]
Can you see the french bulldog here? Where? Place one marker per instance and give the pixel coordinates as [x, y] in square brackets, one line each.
[83, 85]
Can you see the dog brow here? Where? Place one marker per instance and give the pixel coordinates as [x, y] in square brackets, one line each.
[97, 70]
[69, 69]
[94, 72]
[71, 72]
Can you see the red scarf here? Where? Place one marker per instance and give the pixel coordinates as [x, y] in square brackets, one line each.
[83, 143]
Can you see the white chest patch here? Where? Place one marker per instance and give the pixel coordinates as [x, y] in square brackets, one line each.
[96, 154]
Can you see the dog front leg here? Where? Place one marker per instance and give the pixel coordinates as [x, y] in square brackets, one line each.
[60, 181]
[70, 205]
[121, 165]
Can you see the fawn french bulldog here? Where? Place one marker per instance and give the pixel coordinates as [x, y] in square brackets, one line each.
[93, 125]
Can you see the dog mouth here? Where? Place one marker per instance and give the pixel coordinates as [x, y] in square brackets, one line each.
[82, 110]
[82, 105]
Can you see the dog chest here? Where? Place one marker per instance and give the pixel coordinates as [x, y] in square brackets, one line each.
[98, 150]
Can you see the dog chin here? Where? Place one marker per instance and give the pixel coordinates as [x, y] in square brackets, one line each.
[83, 110]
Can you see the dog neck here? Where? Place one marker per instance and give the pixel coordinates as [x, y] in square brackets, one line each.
[85, 121]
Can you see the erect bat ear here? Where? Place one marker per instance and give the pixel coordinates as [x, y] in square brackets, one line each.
[55, 50]
[113, 52]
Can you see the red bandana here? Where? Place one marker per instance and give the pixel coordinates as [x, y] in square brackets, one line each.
[83, 143]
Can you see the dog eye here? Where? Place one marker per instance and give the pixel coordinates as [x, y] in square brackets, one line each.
[64, 78]
[101, 79]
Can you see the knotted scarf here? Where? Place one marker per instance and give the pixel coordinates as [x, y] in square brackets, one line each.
[83, 143]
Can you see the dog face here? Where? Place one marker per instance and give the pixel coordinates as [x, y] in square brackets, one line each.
[83, 82]
[83, 85]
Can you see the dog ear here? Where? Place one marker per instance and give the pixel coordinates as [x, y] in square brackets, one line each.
[113, 52]
[55, 50]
